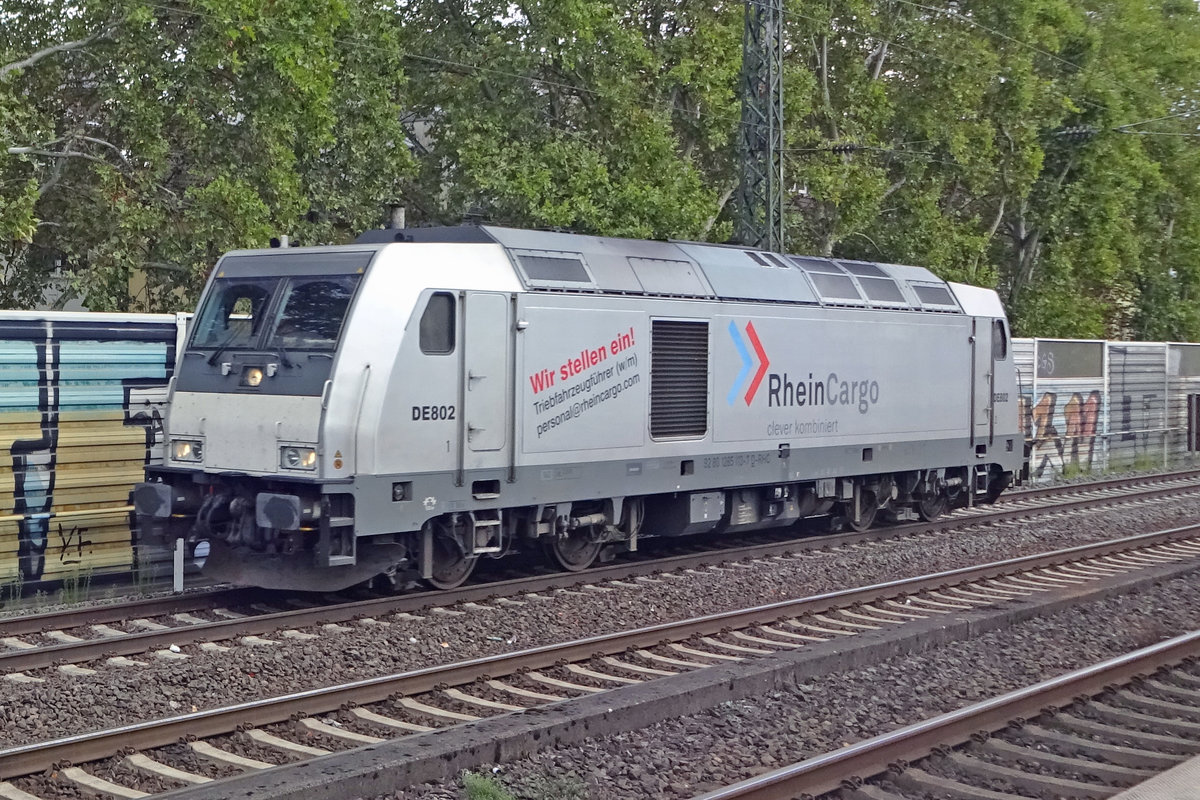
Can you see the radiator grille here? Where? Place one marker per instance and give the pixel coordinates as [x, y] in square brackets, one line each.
[678, 378]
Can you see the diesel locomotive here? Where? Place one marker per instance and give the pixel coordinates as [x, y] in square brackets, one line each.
[399, 408]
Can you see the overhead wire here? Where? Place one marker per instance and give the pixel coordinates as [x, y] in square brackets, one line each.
[843, 29]
[1161, 133]
[954, 14]
[862, 34]
[1157, 119]
[957, 15]
[525, 78]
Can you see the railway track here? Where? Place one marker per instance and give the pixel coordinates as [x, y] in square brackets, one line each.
[113, 633]
[1127, 481]
[279, 729]
[1088, 734]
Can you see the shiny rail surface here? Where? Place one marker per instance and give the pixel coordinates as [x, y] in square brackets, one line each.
[977, 586]
[1056, 489]
[262, 612]
[848, 766]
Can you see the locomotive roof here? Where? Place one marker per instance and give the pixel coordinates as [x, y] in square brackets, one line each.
[549, 260]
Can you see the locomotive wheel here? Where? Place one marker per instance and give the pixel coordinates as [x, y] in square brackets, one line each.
[996, 487]
[451, 566]
[870, 507]
[574, 552]
[930, 507]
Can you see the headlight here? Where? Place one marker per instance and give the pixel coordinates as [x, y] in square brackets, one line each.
[252, 376]
[187, 450]
[298, 458]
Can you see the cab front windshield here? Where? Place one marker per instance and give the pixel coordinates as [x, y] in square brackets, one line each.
[299, 312]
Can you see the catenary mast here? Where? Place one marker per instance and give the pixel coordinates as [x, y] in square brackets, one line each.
[760, 142]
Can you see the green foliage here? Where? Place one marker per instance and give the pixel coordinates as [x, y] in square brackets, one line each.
[1147, 462]
[1040, 146]
[483, 787]
[544, 786]
[17, 211]
[76, 586]
[964, 169]
[185, 130]
[145, 576]
[602, 117]
[1071, 471]
[15, 588]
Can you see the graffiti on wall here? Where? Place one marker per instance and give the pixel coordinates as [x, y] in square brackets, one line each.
[1135, 435]
[1062, 434]
[81, 415]
[1065, 434]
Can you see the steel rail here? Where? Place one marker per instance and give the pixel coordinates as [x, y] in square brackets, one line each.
[201, 600]
[20, 625]
[27, 759]
[1016, 495]
[874, 756]
[145, 641]
[25, 624]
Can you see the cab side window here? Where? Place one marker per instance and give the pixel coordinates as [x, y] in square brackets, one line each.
[999, 341]
[437, 324]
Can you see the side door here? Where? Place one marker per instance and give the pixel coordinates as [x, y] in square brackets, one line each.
[486, 377]
[983, 376]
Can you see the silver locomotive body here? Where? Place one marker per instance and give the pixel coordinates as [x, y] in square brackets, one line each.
[407, 405]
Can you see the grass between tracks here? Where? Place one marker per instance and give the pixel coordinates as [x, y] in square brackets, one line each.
[478, 786]
[482, 787]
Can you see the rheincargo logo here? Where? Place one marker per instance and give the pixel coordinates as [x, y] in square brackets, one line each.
[829, 389]
[747, 362]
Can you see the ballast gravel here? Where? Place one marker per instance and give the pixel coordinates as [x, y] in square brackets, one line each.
[65, 705]
[681, 758]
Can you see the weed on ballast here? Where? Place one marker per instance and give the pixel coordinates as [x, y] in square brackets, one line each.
[14, 590]
[1147, 462]
[145, 577]
[478, 786]
[76, 586]
[483, 787]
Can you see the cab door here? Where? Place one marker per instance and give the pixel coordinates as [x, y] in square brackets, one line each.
[983, 382]
[486, 374]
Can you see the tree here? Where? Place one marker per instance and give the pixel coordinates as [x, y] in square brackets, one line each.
[1041, 146]
[958, 138]
[602, 117]
[173, 133]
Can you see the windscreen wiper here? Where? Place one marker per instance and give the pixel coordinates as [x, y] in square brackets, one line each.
[221, 348]
[283, 356]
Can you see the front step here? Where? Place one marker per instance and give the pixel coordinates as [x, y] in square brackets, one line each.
[982, 479]
[488, 531]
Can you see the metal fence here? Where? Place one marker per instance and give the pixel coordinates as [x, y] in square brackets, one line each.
[1096, 406]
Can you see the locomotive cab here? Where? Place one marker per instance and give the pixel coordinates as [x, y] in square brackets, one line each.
[245, 468]
[314, 377]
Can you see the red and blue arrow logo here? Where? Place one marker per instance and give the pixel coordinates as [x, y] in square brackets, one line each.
[747, 362]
